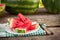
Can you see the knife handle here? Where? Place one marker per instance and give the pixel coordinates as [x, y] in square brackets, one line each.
[48, 32]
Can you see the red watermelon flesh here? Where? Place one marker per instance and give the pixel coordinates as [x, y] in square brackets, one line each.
[14, 26]
[21, 17]
[27, 25]
[2, 4]
[13, 23]
[32, 27]
[22, 22]
[16, 23]
[28, 21]
[19, 23]
[24, 18]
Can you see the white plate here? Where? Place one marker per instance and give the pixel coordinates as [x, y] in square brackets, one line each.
[12, 32]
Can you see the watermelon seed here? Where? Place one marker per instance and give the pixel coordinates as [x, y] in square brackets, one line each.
[25, 19]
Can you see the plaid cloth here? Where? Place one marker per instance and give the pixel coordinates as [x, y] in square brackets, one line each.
[4, 33]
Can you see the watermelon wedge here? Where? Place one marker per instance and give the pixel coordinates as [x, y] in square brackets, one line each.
[12, 22]
[2, 9]
[22, 24]
[21, 17]
[32, 27]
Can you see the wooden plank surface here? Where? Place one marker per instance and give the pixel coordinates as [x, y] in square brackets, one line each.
[55, 36]
[50, 20]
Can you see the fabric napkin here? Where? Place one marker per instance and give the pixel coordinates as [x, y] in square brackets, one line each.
[4, 33]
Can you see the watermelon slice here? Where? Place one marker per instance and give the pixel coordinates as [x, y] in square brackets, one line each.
[12, 23]
[22, 24]
[32, 27]
[28, 21]
[2, 9]
[27, 25]
[21, 17]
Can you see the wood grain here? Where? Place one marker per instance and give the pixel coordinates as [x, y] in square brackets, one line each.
[50, 20]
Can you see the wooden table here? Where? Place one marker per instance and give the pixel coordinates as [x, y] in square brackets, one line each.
[52, 21]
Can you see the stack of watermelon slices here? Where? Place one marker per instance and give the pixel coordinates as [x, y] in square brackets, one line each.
[22, 24]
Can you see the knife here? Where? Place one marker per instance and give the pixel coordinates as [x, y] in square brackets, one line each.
[48, 32]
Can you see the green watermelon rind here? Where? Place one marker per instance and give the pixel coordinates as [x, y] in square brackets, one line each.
[53, 6]
[20, 30]
[22, 2]
[25, 11]
[12, 6]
